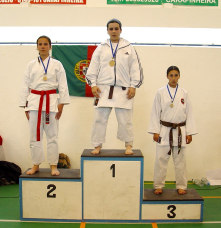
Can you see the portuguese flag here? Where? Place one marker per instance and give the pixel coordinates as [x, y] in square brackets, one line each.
[76, 60]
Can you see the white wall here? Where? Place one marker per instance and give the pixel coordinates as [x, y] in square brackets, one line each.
[97, 13]
[200, 75]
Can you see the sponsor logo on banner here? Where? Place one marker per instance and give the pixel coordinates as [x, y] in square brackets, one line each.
[74, 2]
[10, 1]
[160, 2]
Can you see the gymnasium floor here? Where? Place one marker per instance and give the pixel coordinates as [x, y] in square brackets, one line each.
[9, 211]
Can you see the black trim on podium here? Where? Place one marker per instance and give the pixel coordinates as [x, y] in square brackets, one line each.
[45, 173]
[111, 153]
[171, 195]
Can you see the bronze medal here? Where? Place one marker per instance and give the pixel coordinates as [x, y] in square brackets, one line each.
[171, 105]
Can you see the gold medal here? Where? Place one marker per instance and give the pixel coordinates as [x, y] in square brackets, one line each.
[171, 105]
[112, 63]
[45, 77]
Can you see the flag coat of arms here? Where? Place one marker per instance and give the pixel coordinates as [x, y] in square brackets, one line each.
[76, 60]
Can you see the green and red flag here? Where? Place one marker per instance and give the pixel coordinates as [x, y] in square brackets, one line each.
[76, 60]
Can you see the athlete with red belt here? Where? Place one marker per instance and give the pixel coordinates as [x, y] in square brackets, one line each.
[44, 76]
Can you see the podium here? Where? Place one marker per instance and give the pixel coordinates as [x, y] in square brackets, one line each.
[46, 197]
[107, 188]
[172, 207]
[112, 185]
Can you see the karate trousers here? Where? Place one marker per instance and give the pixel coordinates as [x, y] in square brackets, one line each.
[161, 163]
[125, 126]
[51, 131]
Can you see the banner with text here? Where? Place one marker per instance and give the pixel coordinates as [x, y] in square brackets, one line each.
[160, 2]
[74, 2]
[10, 1]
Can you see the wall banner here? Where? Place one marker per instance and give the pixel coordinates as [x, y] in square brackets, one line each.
[8, 2]
[73, 2]
[160, 2]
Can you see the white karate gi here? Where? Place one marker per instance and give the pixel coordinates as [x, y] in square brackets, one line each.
[33, 80]
[126, 73]
[180, 112]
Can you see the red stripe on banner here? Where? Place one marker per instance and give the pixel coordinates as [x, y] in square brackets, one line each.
[10, 2]
[90, 52]
[73, 2]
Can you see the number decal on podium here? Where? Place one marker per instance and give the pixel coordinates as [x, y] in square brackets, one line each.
[113, 170]
[172, 208]
[52, 187]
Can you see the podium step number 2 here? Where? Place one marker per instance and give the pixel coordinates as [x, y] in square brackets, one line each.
[46, 198]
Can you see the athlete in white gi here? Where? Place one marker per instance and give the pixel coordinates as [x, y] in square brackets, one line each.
[114, 74]
[43, 106]
[171, 109]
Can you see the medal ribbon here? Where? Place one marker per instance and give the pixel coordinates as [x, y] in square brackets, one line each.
[172, 98]
[113, 51]
[45, 69]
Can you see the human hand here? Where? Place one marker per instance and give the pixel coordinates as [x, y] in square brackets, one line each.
[27, 114]
[131, 92]
[60, 109]
[156, 137]
[96, 91]
[188, 139]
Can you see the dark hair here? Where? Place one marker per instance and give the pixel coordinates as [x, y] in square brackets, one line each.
[173, 68]
[46, 37]
[114, 21]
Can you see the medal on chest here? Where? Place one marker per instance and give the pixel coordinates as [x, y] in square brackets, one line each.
[172, 98]
[45, 78]
[112, 61]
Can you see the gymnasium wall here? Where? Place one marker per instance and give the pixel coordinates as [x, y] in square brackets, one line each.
[200, 76]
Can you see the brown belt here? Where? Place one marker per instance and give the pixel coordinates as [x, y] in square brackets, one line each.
[174, 126]
[112, 90]
[110, 96]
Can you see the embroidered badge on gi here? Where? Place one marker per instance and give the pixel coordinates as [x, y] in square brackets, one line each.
[182, 100]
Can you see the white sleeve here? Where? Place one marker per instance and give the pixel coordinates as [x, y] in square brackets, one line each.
[155, 115]
[136, 71]
[93, 70]
[25, 91]
[62, 86]
[190, 122]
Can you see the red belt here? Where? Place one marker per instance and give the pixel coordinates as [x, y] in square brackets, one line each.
[42, 93]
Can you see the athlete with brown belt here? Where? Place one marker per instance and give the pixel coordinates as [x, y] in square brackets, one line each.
[172, 126]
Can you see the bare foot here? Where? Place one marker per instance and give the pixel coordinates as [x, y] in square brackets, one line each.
[96, 150]
[158, 191]
[33, 170]
[128, 150]
[54, 170]
[181, 191]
